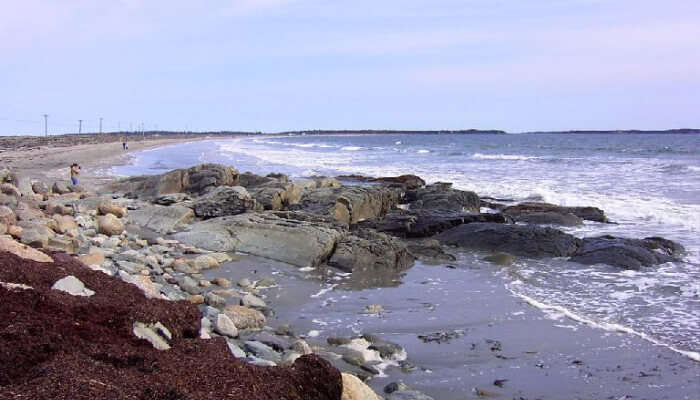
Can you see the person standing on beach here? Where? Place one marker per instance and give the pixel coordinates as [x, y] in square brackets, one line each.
[74, 171]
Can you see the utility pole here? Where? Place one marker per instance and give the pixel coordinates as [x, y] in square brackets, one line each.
[46, 124]
[100, 125]
[80, 126]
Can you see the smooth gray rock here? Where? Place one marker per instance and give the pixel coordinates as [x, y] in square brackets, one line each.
[161, 219]
[250, 300]
[260, 362]
[278, 343]
[521, 240]
[189, 285]
[73, 286]
[299, 243]
[235, 349]
[262, 350]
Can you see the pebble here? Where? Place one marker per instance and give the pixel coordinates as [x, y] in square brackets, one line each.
[244, 283]
[196, 299]
[223, 282]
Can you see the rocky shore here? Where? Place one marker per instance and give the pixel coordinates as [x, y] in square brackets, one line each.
[108, 296]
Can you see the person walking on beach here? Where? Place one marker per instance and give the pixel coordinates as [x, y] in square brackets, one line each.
[74, 171]
[125, 146]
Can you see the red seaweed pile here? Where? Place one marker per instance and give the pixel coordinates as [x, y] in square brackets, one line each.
[54, 345]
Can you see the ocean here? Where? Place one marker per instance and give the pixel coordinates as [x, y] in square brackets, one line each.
[648, 184]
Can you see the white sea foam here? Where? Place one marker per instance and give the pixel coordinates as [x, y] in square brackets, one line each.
[325, 290]
[423, 151]
[611, 327]
[480, 156]
[351, 148]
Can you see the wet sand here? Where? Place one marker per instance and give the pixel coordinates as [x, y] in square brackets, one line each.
[503, 347]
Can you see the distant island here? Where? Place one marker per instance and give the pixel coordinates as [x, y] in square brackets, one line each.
[682, 131]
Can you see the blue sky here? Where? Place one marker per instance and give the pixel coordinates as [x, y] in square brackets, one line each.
[272, 65]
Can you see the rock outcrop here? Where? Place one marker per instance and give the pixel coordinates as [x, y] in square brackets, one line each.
[441, 196]
[350, 204]
[224, 200]
[422, 223]
[521, 240]
[196, 180]
[628, 253]
[300, 243]
[586, 213]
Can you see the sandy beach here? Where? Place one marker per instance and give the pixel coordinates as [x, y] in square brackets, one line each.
[52, 162]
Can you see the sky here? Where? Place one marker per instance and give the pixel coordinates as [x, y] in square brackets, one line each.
[278, 65]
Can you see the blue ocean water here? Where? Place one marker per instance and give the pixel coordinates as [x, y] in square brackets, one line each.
[648, 184]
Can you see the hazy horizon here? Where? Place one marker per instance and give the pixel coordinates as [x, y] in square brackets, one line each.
[290, 65]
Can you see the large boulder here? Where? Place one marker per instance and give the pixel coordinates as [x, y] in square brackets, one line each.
[587, 213]
[300, 243]
[106, 206]
[224, 200]
[366, 251]
[162, 219]
[244, 317]
[109, 225]
[425, 222]
[350, 204]
[521, 240]
[195, 180]
[628, 253]
[442, 196]
[40, 187]
[60, 188]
